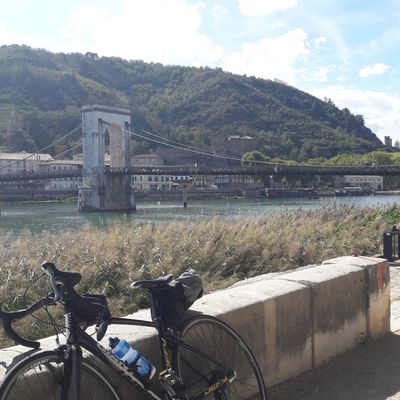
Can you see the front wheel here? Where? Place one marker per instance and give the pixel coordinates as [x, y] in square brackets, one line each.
[221, 343]
[40, 376]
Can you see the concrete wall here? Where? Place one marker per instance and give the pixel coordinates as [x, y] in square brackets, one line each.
[292, 321]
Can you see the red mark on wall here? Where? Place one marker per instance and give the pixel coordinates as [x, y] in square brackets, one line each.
[380, 276]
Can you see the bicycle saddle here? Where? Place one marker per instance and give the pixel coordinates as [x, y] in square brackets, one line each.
[152, 283]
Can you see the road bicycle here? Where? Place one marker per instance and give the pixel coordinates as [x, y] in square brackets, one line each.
[203, 358]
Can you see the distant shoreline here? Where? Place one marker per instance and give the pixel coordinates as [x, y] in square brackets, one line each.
[177, 195]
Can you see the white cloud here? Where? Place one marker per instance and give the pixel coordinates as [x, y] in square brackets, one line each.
[376, 69]
[277, 25]
[8, 37]
[320, 74]
[269, 58]
[152, 30]
[219, 9]
[256, 8]
[319, 40]
[380, 109]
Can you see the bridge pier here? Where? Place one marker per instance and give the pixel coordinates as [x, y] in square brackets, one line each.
[101, 191]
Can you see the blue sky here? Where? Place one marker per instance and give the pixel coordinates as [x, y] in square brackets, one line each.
[346, 50]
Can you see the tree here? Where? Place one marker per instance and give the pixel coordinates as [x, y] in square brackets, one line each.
[360, 118]
[253, 157]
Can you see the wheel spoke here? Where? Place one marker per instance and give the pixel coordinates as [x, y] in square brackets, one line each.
[217, 340]
[39, 377]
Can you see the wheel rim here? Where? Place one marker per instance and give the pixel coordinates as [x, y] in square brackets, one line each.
[42, 379]
[221, 343]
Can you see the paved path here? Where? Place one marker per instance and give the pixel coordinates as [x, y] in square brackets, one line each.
[370, 372]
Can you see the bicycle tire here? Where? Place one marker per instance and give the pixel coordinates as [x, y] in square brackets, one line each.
[220, 342]
[40, 377]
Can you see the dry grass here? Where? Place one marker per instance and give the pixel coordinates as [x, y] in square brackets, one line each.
[222, 251]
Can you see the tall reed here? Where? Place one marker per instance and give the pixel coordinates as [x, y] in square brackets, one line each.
[221, 250]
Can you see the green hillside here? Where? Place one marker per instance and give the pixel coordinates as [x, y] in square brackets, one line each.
[182, 103]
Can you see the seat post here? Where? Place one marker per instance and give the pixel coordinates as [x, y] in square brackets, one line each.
[162, 343]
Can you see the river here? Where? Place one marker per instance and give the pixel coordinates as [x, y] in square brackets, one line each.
[56, 217]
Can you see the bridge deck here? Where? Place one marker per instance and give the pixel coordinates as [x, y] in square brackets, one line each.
[276, 170]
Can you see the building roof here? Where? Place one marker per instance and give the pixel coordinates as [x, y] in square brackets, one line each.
[146, 156]
[238, 137]
[24, 155]
[63, 162]
[247, 138]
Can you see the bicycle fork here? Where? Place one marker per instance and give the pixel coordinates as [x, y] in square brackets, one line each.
[71, 373]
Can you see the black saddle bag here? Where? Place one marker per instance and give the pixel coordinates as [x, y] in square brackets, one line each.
[172, 301]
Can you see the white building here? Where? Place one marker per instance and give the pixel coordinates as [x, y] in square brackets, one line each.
[16, 163]
[373, 182]
[62, 183]
[235, 181]
[153, 182]
[146, 160]
[158, 182]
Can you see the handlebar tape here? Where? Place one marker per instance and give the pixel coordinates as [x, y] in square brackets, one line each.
[8, 318]
[18, 339]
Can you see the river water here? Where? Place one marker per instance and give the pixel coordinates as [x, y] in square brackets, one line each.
[56, 217]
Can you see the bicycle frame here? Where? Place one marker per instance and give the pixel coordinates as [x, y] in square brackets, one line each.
[77, 339]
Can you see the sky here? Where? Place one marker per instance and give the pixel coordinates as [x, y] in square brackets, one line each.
[344, 50]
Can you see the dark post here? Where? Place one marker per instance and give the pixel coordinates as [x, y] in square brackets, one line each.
[391, 244]
[184, 195]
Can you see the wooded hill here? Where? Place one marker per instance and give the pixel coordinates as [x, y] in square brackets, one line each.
[186, 104]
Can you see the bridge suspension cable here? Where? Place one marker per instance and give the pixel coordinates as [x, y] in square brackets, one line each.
[185, 147]
[216, 155]
[190, 149]
[196, 150]
[205, 152]
[43, 148]
[79, 144]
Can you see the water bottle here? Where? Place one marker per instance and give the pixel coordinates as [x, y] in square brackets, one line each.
[132, 358]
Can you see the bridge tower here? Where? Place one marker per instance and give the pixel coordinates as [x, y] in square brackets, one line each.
[102, 127]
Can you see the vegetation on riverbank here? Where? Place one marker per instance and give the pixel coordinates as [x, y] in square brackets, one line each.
[190, 105]
[221, 250]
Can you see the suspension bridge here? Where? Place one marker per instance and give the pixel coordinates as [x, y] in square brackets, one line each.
[109, 187]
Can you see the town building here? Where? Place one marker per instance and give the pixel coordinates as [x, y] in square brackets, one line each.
[372, 182]
[154, 182]
[16, 163]
[235, 182]
[67, 183]
[388, 142]
[146, 160]
[158, 182]
[204, 182]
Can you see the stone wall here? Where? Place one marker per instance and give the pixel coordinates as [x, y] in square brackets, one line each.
[292, 321]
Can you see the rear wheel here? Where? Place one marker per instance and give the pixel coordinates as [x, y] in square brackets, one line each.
[40, 376]
[221, 343]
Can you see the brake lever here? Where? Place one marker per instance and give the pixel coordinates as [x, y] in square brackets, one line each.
[101, 330]
[50, 272]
